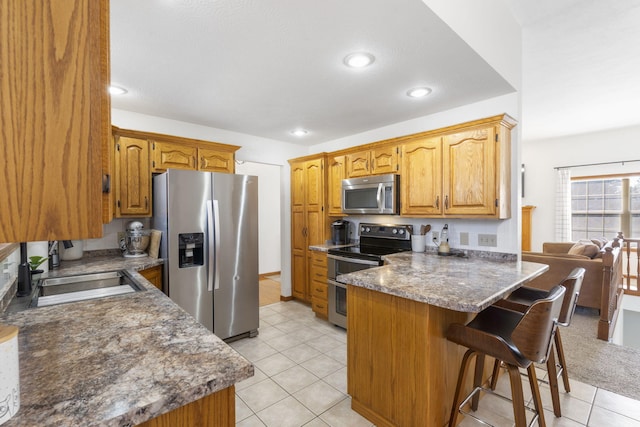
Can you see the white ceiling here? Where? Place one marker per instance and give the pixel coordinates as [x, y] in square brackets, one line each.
[581, 65]
[266, 67]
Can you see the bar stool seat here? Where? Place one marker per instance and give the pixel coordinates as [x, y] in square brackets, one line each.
[520, 300]
[518, 339]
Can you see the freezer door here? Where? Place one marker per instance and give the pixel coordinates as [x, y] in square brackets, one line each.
[186, 200]
[235, 204]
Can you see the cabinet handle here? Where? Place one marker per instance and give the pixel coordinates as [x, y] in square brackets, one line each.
[437, 202]
[446, 202]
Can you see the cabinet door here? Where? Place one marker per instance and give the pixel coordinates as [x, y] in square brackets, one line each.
[314, 201]
[469, 162]
[133, 192]
[298, 232]
[54, 74]
[153, 275]
[167, 155]
[384, 160]
[421, 183]
[334, 182]
[358, 164]
[215, 161]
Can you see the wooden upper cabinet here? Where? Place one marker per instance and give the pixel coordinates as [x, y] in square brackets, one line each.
[212, 160]
[168, 155]
[358, 164]
[55, 114]
[375, 161]
[421, 177]
[336, 173]
[469, 159]
[308, 219]
[133, 185]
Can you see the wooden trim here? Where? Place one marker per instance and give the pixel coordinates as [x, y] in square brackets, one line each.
[285, 299]
[309, 157]
[264, 275]
[159, 137]
[7, 248]
[607, 176]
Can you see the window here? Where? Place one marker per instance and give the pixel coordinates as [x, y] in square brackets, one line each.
[602, 207]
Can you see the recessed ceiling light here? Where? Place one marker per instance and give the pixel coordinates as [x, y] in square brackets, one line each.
[419, 92]
[116, 90]
[299, 132]
[359, 59]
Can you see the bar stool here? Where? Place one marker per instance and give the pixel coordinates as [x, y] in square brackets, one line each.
[518, 340]
[520, 300]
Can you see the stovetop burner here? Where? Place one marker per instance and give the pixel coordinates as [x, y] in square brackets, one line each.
[377, 240]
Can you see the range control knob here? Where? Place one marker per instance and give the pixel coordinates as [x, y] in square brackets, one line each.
[361, 228]
[394, 231]
[401, 231]
[368, 229]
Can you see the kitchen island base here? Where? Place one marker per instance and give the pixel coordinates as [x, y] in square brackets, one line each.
[401, 370]
[215, 410]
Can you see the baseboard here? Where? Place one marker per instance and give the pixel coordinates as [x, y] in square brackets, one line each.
[283, 298]
[265, 275]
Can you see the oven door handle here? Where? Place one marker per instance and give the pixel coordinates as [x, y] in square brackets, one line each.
[338, 284]
[354, 260]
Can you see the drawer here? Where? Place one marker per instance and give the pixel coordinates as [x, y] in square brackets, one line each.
[320, 307]
[318, 273]
[319, 290]
[319, 258]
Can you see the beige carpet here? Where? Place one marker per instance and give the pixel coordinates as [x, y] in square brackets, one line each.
[605, 365]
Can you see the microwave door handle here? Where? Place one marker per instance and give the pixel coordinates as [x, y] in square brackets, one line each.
[380, 197]
[210, 247]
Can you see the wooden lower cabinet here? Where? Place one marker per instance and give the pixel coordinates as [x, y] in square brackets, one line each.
[154, 275]
[318, 283]
[401, 370]
[215, 410]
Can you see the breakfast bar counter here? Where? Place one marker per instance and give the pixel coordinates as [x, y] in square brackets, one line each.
[401, 370]
[121, 361]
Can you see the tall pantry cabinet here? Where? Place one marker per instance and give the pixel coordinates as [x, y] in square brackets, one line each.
[55, 119]
[308, 219]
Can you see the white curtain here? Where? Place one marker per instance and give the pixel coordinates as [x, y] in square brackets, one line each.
[563, 205]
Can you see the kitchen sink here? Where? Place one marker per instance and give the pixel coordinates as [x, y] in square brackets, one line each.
[59, 290]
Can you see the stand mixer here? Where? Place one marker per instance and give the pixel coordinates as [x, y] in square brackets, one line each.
[136, 240]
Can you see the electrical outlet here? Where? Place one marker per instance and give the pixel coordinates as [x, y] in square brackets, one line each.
[488, 240]
[435, 236]
[464, 238]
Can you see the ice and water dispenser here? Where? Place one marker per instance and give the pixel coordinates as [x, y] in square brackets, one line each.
[190, 249]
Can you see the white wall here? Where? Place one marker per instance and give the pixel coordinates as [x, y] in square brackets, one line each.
[507, 230]
[269, 194]
[540, 158]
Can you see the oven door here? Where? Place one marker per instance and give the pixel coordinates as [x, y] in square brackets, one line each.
[337, 292]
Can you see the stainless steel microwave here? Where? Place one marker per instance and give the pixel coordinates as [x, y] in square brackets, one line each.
[371, 195]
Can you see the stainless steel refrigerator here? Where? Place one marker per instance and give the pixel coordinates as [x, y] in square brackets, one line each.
[209, 224]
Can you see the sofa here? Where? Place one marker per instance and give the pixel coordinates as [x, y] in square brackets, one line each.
[602, 285]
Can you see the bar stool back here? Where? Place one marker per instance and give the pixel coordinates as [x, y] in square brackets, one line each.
[517, 339]
[520, 300]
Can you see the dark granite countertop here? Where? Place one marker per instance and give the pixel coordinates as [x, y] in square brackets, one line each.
[452, 282]
[116, 361]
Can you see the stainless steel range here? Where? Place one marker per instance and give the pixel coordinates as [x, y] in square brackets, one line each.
[376, 241]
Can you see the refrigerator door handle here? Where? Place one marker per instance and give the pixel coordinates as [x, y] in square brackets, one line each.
[210, 247]
[216, 220]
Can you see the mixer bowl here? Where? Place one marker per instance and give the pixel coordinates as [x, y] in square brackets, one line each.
[137, 242]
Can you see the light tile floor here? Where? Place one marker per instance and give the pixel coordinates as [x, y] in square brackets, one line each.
[301, 380]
